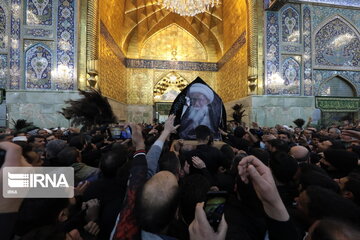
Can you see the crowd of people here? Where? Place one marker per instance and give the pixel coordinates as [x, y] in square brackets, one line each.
[281, 183]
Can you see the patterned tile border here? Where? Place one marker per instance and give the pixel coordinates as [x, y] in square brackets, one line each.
[15, 76]
[241, 41]
[110, 40]
[178, 65]
[347, 3]
[307, 28]
[66, 44]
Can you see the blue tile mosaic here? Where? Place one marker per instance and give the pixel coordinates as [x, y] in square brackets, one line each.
[290, 49]
[66, 45]
[308, 83]
[272, 53]
[3, 70]
[350, 3]
[330, 44]
[38, 63]
[39, 12]
[39, 33]
[337, 45]
[3, 26]
[291, 74]
[321, 76]
[322, 15]
[290, 21]
[15, 76]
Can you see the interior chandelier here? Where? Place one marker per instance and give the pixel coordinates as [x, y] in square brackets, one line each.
[188, 7]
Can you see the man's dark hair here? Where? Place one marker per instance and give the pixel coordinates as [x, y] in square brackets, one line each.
[193, 191]
[324, 203]
[3, 136]
[289, 135]
[111, 162]
[334, 229]
[31, 139]
[202, 132]
[239, 132]
[279, 145]
[283, 167]
[169, 162]
[337, 144]
[314, 178]
[261, 154]
[78, 142]
[38, 212]
[66, 157]
[228, 154]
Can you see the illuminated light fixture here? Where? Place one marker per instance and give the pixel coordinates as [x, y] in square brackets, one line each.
[188, 7]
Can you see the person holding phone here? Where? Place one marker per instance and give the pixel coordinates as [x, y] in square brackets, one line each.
[251, 170]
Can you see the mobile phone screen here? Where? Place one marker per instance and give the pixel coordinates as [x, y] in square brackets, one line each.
[214, 207]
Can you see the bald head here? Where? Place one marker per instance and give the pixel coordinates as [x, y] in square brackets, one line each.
[300, 153]
[157, 203]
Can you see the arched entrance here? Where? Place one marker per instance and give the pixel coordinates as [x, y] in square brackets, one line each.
[336, 97]
[166, 90]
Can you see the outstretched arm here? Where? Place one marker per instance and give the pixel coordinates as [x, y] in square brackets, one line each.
[13, 158]
[279, 225]
[154, 153]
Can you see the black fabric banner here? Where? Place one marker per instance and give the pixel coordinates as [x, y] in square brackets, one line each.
[198, 105]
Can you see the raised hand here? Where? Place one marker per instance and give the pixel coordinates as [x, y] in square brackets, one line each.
[137, 137]
[200, 228]
[198, 163]
[251, 168]
[169, 125]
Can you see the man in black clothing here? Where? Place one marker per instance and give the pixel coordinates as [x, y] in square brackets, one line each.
[211, 156]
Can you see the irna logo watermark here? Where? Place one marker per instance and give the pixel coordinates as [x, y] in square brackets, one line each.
[38, 182]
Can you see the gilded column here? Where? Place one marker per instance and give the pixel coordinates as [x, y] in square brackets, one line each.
[82, 66]
[254, 7]
[92, 42]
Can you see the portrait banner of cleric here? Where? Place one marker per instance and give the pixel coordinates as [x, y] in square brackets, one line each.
[198, 105]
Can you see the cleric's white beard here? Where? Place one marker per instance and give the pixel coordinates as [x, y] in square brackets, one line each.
[197, 114]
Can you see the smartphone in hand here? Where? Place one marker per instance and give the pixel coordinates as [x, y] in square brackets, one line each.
[214, 207]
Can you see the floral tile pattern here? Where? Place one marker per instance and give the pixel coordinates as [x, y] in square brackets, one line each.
[291, 73]
[3, 24]
[328, 44]
[39, 12]
[308, 83]
[350, 3]
[3, 70]
[66, 45]
[272, 51]
[337, 44]
[290, 20]
[15, 76]
[320, 76]
[38, 59]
